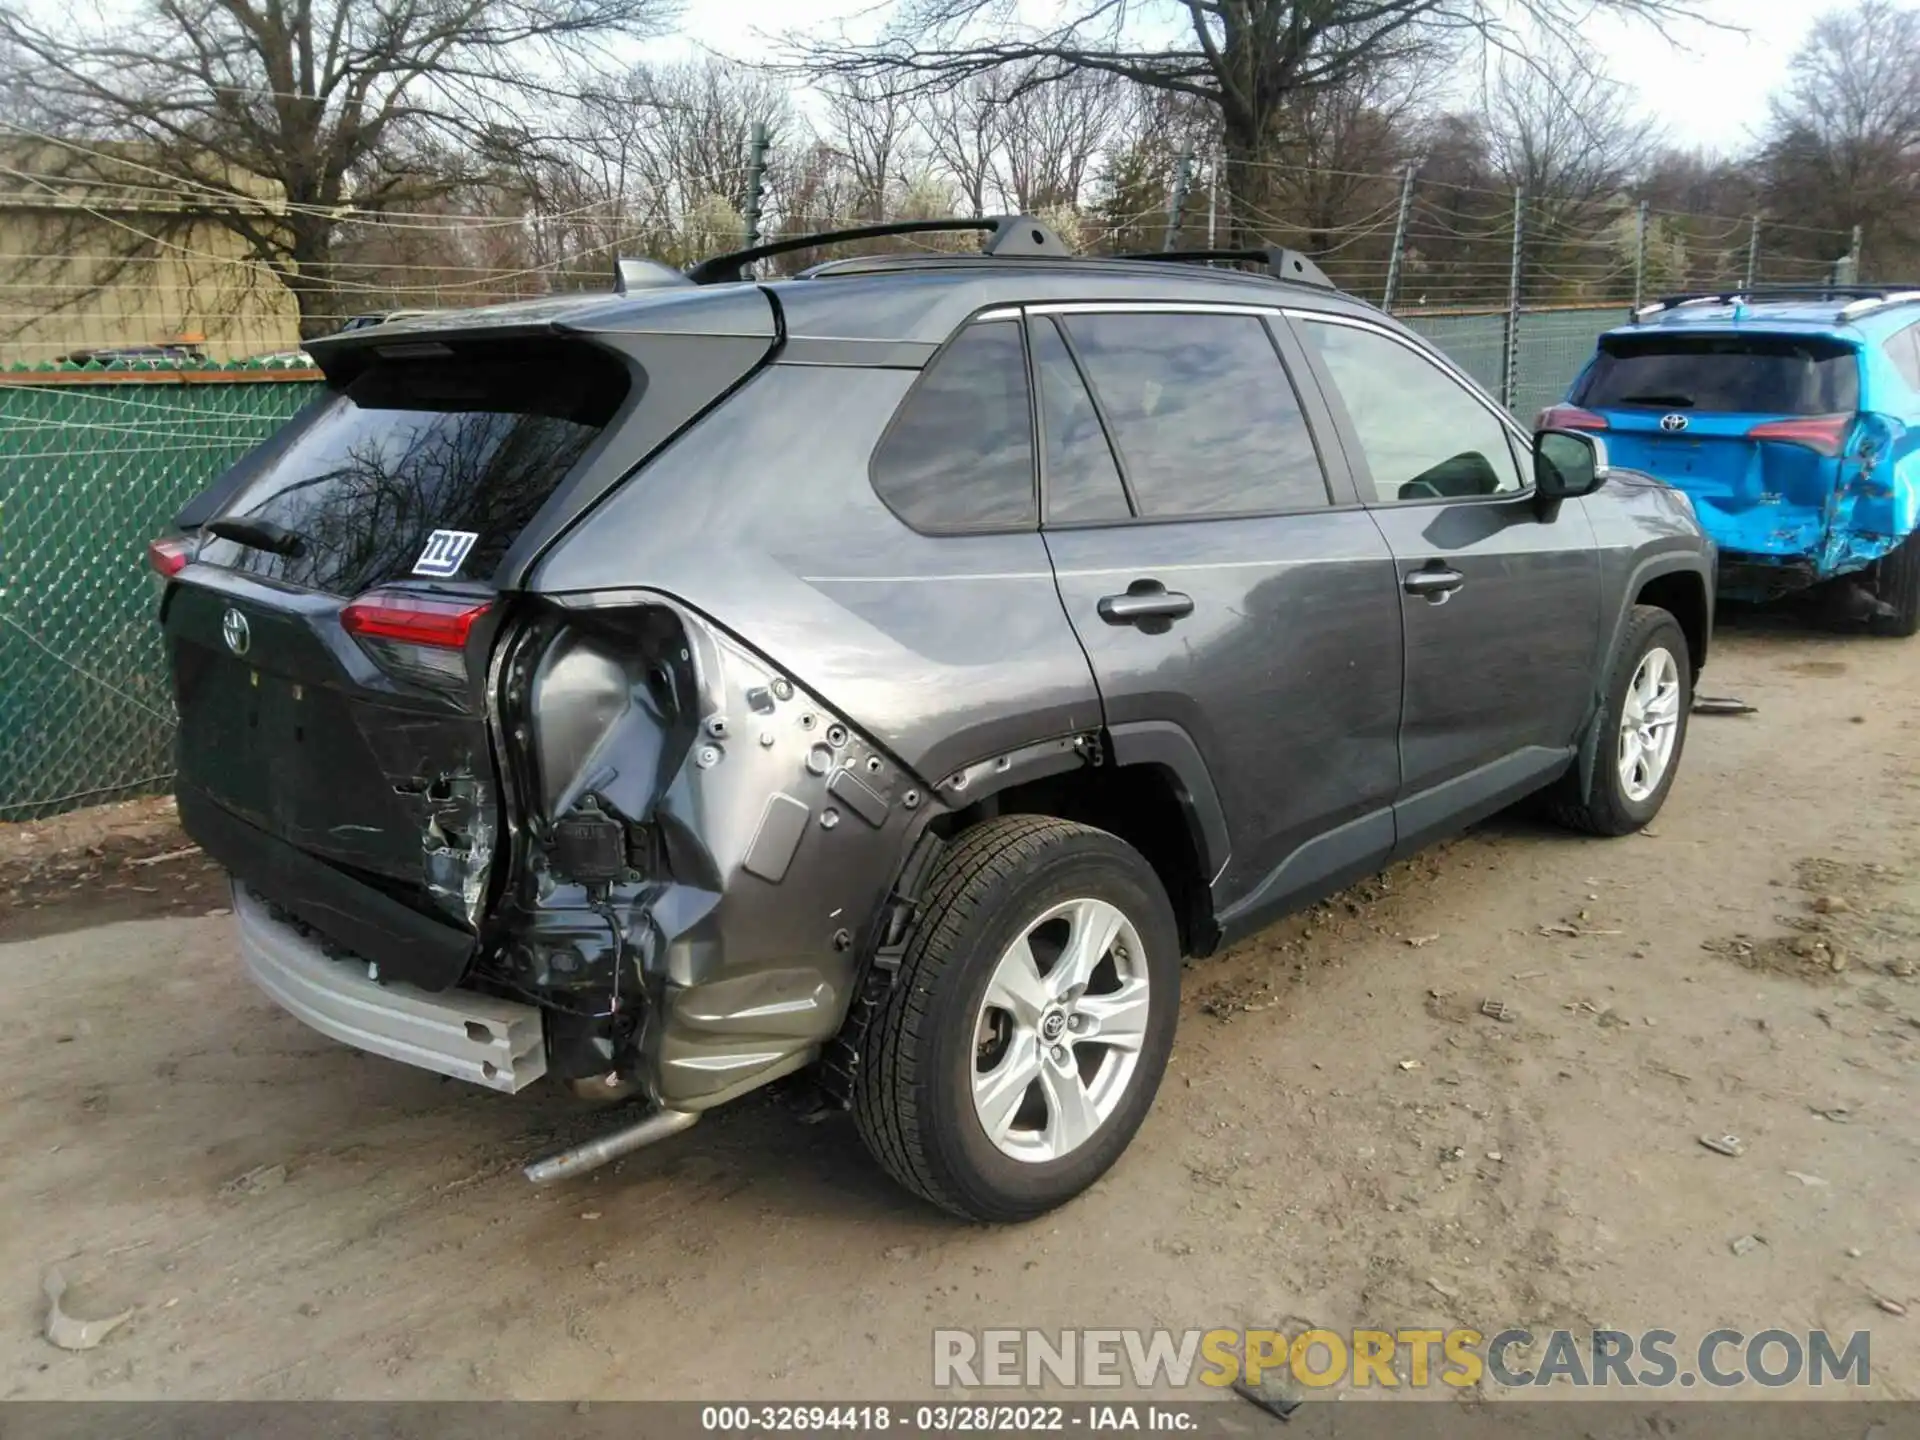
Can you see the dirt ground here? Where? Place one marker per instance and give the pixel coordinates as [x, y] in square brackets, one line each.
[1343, 1138]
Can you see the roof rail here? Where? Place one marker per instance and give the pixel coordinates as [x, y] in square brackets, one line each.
[1010, 235]
[1282, 264]
[1859, 298]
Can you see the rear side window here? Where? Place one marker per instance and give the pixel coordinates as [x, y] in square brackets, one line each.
[1738, 374]
[1202, 413]
[473, 442]
[959, 453]
[1903, 349]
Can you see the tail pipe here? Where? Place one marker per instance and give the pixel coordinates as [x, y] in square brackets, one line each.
[595, 1153]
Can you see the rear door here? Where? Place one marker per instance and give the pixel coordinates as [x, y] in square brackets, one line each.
[1223, 580]
[1501, 605]
[1753, 426]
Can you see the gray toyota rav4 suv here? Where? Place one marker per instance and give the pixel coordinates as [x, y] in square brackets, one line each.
[892, 671]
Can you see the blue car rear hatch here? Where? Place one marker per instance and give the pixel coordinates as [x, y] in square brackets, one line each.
[1764, 431]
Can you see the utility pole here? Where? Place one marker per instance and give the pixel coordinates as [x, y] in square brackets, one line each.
[1182, 177]
[1640, 259]
[756, 181]
[1510, 350]
[1753, 252]
[1399, 240]
[1853, 258]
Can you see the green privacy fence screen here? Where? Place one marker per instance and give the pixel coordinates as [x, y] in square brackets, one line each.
[94, 462]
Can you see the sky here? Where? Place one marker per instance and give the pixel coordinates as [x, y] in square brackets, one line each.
[1708, 87]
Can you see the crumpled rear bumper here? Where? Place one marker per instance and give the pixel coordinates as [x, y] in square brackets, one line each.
[492, 1042]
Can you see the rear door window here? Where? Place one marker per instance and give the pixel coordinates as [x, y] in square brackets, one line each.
[1202, 412]
[1734, 374]
[471, 443]
[958, 456]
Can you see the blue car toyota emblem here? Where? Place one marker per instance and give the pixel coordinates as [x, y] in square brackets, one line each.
[235, 631]
[1673, 422]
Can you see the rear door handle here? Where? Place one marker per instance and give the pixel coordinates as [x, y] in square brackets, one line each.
[1436, 583]
[1145, 600]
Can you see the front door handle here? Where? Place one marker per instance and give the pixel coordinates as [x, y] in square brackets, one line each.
[1145, 601]
[1436, 583]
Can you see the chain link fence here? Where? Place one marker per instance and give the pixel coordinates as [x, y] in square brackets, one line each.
[95, 462]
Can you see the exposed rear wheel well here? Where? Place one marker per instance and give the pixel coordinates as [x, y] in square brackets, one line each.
[1138, 803]
[1682, 595]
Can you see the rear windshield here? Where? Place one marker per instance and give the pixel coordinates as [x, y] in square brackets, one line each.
[1746, 374]
[470, 442]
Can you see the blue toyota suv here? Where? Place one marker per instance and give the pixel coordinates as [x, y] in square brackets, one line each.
[1790, 416]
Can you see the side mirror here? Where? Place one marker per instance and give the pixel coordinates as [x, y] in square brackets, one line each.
[1568, 463]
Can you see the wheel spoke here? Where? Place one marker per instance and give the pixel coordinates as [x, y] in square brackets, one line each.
[1119, 1019]
[1016, 986]
[1071, 1116]
[1095, 924]
[998, 1093]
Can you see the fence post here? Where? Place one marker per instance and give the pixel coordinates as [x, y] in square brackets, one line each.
[1640, 259]
[1399, 240]
[756, 180]
[1853, 258]
[1753, 252]
[1213, 199]
[1510, 348]
[1182, 177]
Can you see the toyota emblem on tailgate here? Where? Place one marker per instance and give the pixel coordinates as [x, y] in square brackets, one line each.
[1673, 422]
[235, 631]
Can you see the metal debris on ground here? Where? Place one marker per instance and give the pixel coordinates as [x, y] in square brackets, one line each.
[256, 1181]
[1731, 1145]
[1412, 1065]
[1805, 1179]
[1269, 1397]
[1892, 1307]
[1574, 932]
[1838, 1114]
[1416, 941]
[1499, 1010]
[65, 1330]
[1746, 1244]
[1721, 705]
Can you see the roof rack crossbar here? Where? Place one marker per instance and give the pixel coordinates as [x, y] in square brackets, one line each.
[1010, 235]
[1282, 264]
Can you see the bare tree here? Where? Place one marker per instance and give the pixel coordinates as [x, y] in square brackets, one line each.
[1244, 60]
[868, 126]
[962, 127]
[326, 104]
[1049, 136]
[1842, 147]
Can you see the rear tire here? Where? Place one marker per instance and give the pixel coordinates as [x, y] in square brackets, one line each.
[1634, 763]
[985, 1085]
[1897, 580]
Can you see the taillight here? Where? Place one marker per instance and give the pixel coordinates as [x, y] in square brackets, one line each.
[1568, 417]
[416, 637]
[169, 555]
[1824, 434]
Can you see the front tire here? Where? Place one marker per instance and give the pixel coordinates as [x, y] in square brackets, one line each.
[1023, 1040]
[1642, 731]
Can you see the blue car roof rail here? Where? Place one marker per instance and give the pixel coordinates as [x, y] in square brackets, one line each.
[1858, 299]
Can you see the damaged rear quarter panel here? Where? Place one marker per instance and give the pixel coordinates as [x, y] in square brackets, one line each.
[761, 830]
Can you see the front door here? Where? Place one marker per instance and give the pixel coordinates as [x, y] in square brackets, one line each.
[1501, 599]
[1220, 584]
